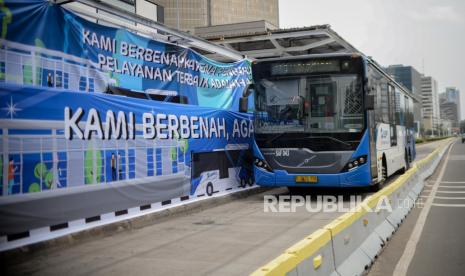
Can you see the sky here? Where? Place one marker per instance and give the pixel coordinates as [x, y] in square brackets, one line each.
[426, 34]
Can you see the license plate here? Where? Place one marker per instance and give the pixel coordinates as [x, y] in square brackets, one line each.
[307, 178]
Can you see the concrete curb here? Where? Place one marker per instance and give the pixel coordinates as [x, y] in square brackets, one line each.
[357, 237]
[22, 253]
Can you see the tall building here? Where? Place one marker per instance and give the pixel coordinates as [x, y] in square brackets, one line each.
[430, 105]
[185, 15]
[147, 8]
[409, 77]
[450, 106]
[453, 95]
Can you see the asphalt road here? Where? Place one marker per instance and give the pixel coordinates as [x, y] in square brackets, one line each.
[437, 246]
[234, 238]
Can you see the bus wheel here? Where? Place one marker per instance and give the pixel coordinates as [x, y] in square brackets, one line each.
[209, 189]
[384, 169]
[375, 187]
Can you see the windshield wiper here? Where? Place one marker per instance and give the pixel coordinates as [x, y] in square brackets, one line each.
[329, 137]
[268, 141]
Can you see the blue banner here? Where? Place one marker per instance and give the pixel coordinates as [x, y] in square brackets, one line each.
[74, 155]
[46, 45]
[68, 153]
[54, 140]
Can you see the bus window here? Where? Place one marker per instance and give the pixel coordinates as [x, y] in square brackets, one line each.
[384, 103]
[392, 117]
[321, 99]
[400, 108]
[410, 113]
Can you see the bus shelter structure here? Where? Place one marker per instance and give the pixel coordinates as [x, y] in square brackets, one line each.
[261, 42]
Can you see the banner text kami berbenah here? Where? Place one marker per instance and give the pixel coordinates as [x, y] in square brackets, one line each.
[159, 125]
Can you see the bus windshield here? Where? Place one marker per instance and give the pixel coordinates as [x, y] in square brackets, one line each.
[331, 103]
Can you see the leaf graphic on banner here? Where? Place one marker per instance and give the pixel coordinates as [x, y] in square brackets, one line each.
[34, 188]
[40, 170]
[49, 179]
[183, 145]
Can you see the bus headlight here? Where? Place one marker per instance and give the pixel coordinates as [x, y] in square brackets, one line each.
[262, 164]
[355, 163]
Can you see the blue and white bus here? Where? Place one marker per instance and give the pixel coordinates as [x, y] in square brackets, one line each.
[332, 120]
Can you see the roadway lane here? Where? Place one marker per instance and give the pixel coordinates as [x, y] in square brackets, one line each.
[229, 239]
[435, 245]
[424, 149]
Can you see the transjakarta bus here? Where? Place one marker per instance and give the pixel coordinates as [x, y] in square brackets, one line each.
[329, 120]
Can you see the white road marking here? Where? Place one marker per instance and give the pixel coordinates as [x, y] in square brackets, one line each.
[406, 258]
[459, 182]
[460, 157]
[451, 192]
[448, 205]
[453, 187]
[448, 197]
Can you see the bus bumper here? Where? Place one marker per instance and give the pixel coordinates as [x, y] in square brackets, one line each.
[359, 177]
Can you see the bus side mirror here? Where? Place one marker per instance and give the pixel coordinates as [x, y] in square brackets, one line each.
[369, 102]
[243, 104]
[243, 101]
[248, 90]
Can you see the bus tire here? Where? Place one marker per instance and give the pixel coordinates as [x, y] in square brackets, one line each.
[209, 189]
[384, 168]
[375, 187]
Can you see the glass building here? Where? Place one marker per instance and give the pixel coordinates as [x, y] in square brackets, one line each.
[185, 15]
[409, 77]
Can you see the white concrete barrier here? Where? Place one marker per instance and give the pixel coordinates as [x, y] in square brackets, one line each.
[350, 244]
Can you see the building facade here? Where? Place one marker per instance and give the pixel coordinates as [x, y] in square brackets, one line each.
[147, 8]
[430, 105]
[453, 95]
[450, 108]
[409, 77]
[186, 15]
